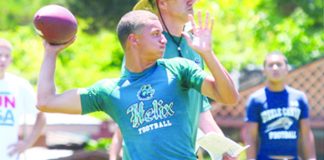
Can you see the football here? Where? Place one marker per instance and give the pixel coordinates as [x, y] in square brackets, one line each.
[56, 24]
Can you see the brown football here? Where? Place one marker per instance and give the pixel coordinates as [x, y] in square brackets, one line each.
[56, 24]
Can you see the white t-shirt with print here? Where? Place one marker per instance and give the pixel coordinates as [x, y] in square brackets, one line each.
[17, 98]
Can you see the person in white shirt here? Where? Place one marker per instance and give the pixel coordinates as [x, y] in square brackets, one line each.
[17, 99]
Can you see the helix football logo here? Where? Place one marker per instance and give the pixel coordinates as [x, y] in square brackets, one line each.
[154, 116]
[145, 93]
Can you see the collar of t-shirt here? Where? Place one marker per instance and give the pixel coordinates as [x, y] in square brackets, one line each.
[132, 76]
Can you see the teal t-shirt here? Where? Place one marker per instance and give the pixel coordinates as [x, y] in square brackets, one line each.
[151, 108]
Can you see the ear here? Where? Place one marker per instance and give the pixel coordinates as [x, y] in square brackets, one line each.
[133, 39]
[162, 4]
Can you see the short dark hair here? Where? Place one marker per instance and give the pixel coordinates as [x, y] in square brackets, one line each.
[275, 53]
[133, 22]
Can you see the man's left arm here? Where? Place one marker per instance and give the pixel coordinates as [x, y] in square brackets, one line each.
[24, 144]
[307, 139]
[208, 124]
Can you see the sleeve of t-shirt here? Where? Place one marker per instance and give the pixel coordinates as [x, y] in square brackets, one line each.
[192, 76]
[304, 107]
[92, 98]
[252, 112]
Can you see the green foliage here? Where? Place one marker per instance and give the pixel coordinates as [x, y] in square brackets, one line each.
[101, 13]
[245, 31]
[100, 115]
[100, 144]
[89, 59]
[16, 13]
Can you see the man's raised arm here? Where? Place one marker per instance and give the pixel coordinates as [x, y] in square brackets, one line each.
[47, 99]
[219, 86]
